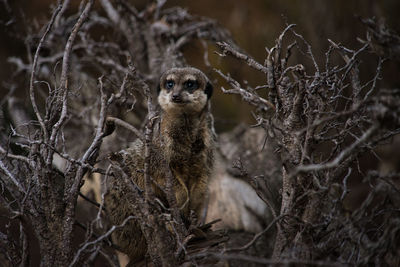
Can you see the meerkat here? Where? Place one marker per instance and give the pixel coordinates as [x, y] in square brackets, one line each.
[183, 146]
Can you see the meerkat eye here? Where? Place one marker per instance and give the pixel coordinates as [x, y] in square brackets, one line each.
[191, 85]
[169, 84]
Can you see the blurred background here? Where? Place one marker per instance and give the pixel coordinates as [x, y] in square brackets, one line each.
[254, 24]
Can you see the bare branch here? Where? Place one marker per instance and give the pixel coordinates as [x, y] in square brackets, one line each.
[98, 240]
[127, 126]
[256, 236]
[34, 69]
[17, 157]
[335, 162]
[227, 49]
[12, 177]
[65, 70]
[247, 96]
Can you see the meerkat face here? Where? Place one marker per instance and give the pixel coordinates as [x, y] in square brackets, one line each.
[184, 90]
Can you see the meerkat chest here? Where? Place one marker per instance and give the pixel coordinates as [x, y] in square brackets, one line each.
[185, 144]
[185, 156]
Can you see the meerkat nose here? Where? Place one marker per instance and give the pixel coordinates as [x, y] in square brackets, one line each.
[177, 98]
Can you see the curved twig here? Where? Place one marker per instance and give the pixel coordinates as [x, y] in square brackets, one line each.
[34, 68]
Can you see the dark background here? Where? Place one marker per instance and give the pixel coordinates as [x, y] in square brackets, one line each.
[254, 24]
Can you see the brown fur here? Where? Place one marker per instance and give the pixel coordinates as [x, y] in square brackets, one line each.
[183, 145]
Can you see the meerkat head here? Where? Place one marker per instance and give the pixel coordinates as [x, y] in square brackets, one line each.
[184, 90]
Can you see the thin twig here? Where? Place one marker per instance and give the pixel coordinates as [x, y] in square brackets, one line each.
[34, 69]
[98, 240]
[65, 70]
[12, 177]
[126, 126]
[335, 162]
[17, 157]
[90, 201]
[227, 49]
[247, 96]
[256, 236]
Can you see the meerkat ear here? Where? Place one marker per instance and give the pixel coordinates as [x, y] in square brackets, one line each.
[209, 89]
[158, 89]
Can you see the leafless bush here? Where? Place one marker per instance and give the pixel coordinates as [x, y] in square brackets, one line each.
[320, 120]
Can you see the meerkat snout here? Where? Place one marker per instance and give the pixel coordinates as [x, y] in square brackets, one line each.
[176, 97]
[184, 90]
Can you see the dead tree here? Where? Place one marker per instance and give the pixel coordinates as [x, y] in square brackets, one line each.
[322, 119]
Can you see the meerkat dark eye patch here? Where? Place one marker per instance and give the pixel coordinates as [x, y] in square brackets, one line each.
[209, 89]
[169, 84]
[191, 85]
